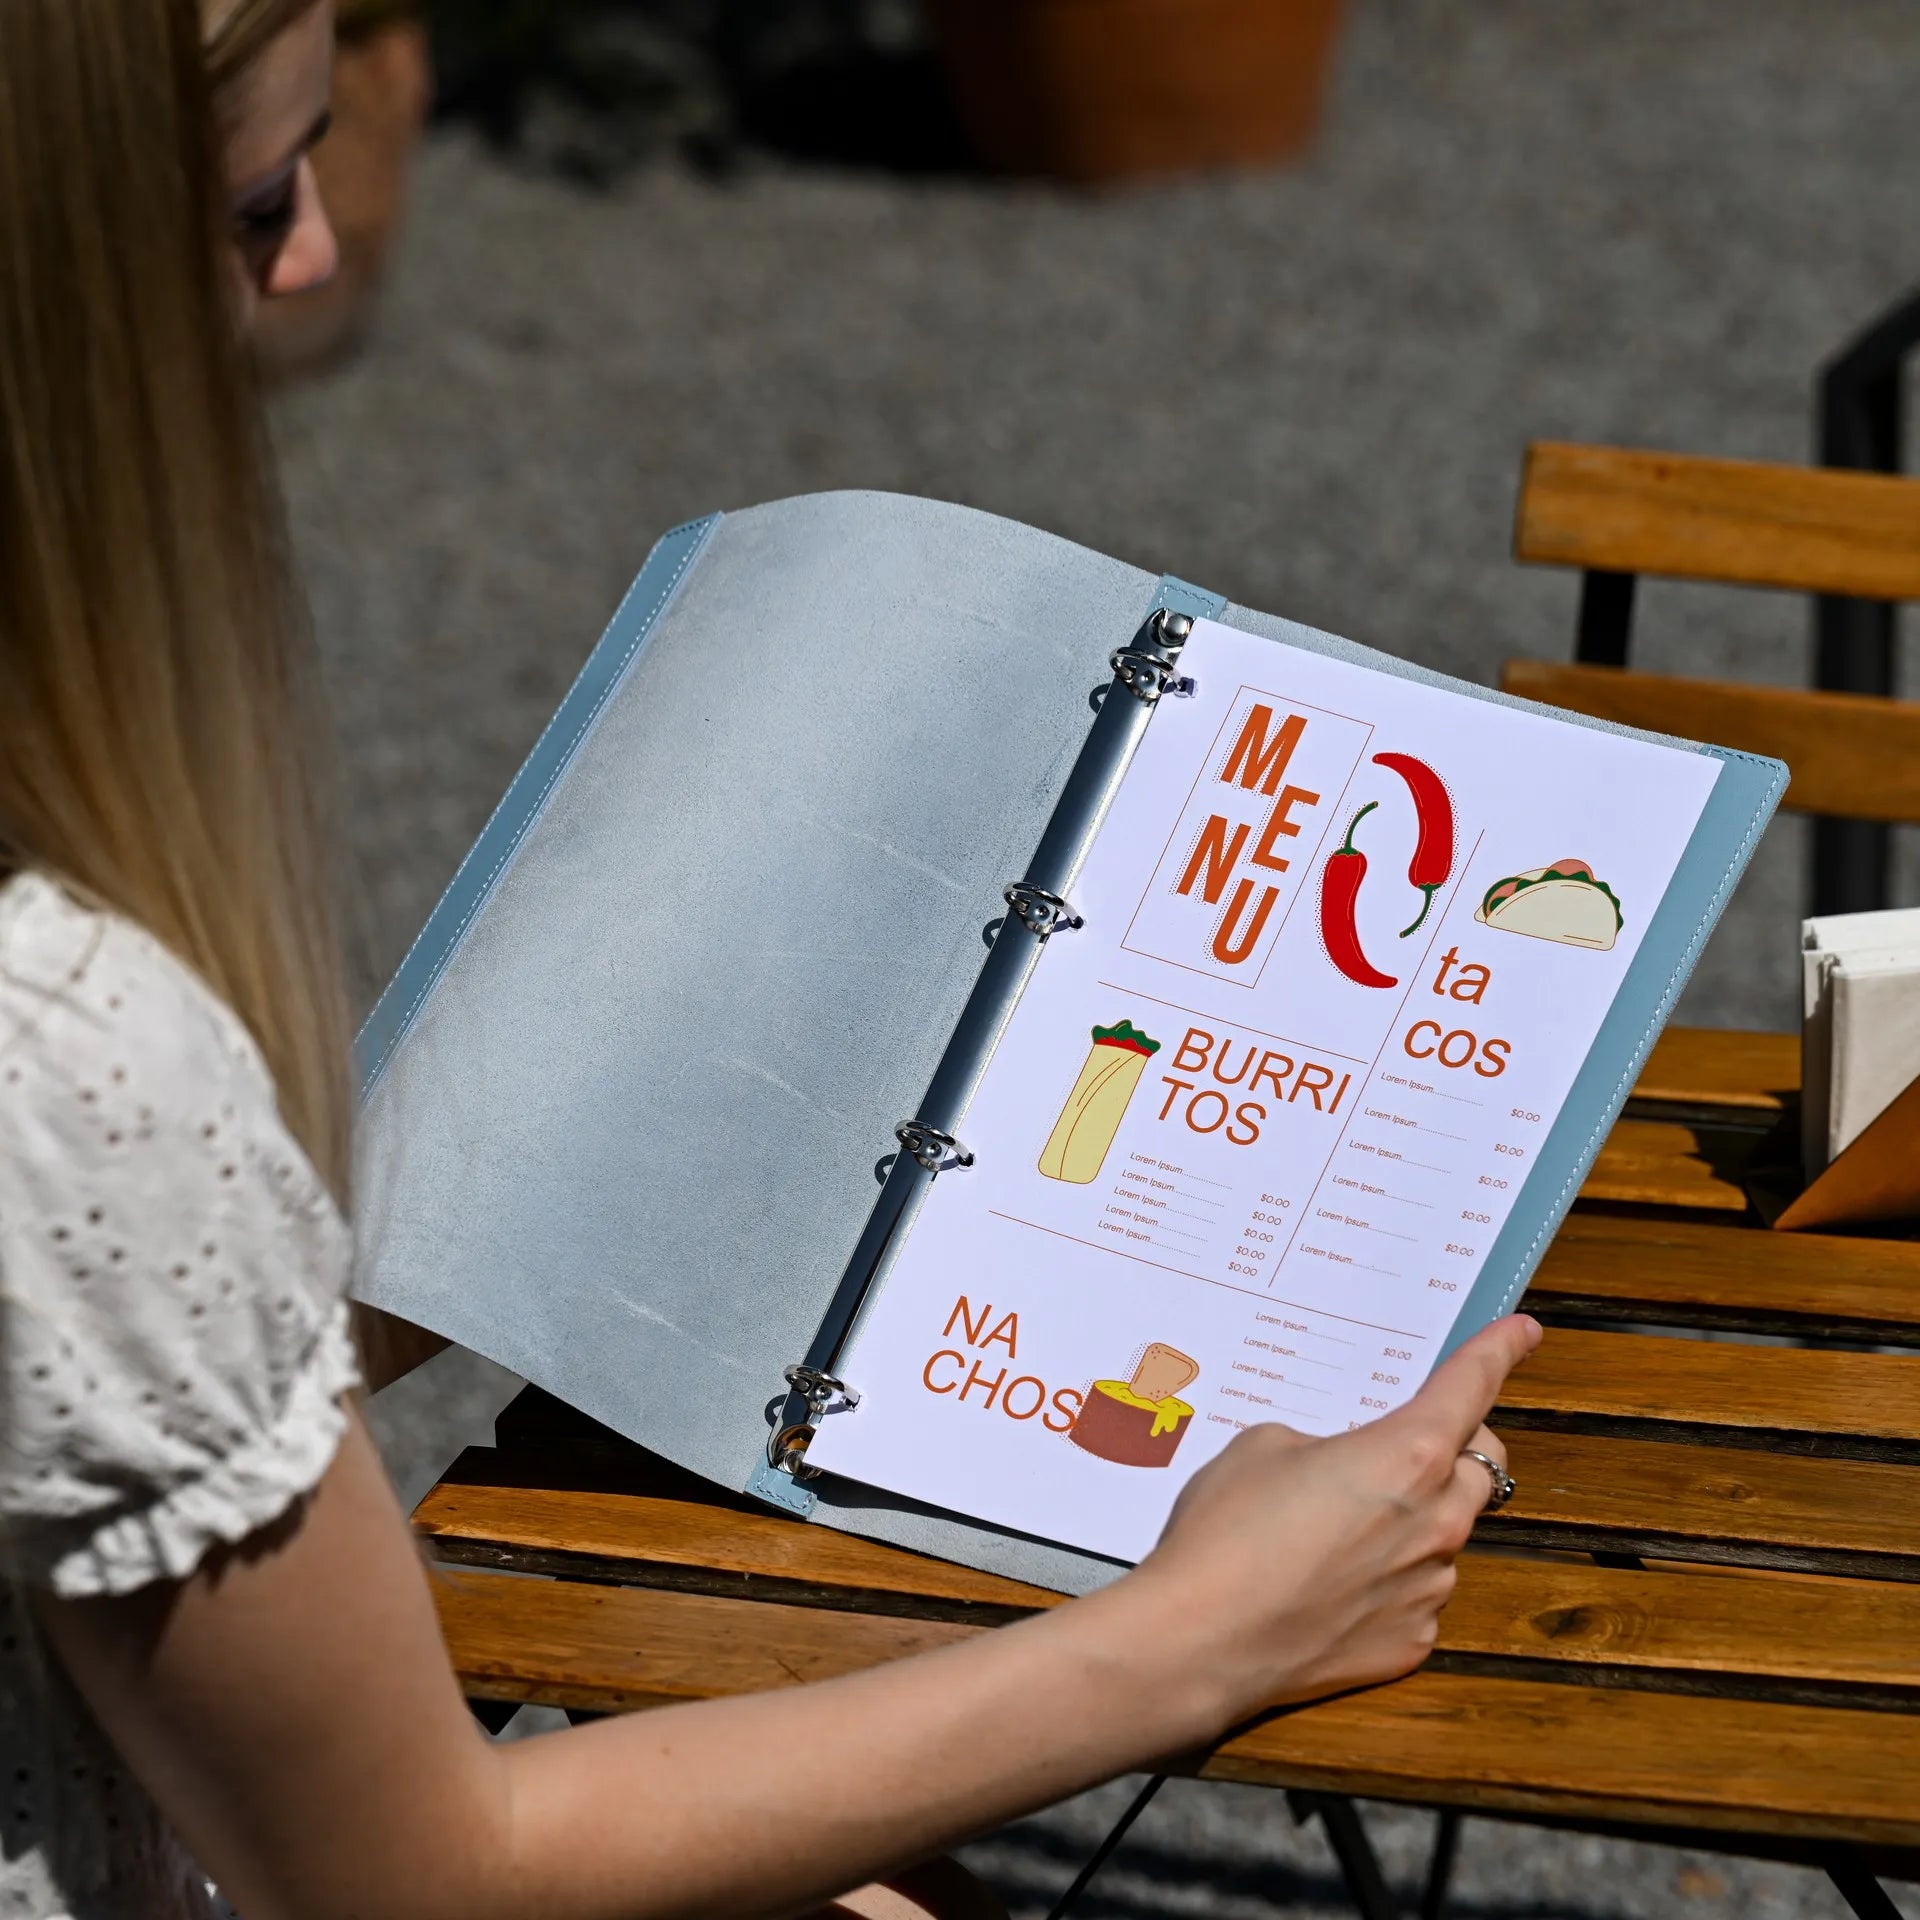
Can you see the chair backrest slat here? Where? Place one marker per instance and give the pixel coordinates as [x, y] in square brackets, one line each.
[1852, 755]
[1808, 529]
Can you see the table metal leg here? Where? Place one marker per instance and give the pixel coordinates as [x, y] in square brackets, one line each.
[1359, 1864]
[1446, 1845]
[1103, 1852]
[1861, 1891]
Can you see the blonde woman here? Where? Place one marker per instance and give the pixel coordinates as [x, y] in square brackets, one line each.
[217, 1648]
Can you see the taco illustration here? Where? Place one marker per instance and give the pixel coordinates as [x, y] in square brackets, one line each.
[1078, 1144]
[1563, 902]
[1139, 1422]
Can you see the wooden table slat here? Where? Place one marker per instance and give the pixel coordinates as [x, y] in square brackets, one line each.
[1705, 1273]
[633, 1536]
[1598, 1753]
[566, 1643]
[1741, 1073]
[1459, 1739]
[1669, 1163]
[1726, 1632]
[1864, 1404]
[1716, 1504]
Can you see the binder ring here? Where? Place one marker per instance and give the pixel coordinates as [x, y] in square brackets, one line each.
[1146, 675]
[815, 1388]
[930, 1146]
[818, 1387]
[787, 1452]
[1040, 911]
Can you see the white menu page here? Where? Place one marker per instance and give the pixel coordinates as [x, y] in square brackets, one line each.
[1254, 1126]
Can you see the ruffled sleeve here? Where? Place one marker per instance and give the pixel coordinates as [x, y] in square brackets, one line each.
[173, 1326]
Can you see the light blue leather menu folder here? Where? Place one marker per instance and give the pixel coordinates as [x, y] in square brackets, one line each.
[630, 1103]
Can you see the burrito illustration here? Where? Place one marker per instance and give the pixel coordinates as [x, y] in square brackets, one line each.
[1083, 1133]
[1139, 1422]
[1563, 902]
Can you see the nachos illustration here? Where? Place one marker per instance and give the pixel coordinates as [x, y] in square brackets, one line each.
[1139, 1422]
[1563, 902]
[1081, 1136]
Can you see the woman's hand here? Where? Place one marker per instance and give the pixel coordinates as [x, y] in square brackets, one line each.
[1293, 1567]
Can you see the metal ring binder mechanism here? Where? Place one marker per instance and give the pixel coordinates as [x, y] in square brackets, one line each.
[1040, 911]
[931, 1147]
[1040, 905]
[1148, 670]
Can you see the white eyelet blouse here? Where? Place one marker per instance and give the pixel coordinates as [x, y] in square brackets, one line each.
[173, 1348]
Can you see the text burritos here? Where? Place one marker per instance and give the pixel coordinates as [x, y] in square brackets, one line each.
[1563, 902]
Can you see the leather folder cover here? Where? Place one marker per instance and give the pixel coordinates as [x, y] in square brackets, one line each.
[624, 1100]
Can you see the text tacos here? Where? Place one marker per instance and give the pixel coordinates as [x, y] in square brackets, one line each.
[1563, 902]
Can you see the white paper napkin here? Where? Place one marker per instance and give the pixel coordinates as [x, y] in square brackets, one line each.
[1860, 1031]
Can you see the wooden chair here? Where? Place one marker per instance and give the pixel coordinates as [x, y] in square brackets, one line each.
[1854, 757]
[1617, 514]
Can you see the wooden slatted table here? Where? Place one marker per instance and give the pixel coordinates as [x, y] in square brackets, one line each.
[1699, 1619]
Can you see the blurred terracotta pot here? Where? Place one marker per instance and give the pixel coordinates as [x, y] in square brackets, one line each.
[382, 87]
[1109, 89]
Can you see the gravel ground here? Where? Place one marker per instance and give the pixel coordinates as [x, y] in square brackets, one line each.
[1308, 389]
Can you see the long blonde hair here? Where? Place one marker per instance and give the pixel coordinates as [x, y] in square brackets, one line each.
[157, 696]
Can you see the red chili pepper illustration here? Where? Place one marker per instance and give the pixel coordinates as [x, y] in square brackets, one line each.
[1339, 894]
[1432, 861]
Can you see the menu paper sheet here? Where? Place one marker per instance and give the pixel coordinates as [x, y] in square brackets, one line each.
[1254, 1126]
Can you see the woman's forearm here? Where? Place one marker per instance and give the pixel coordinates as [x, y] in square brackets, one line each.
[710, 1808]
[292, 1709]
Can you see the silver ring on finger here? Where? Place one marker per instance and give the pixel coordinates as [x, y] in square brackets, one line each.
[1504, 1485]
